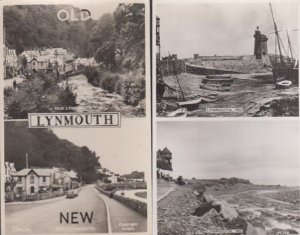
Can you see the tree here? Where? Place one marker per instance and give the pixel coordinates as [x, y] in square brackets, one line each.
[180, 180]
[103, 40]
[130, 29]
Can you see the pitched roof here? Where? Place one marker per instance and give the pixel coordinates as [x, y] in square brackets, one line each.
[166, 150]
[39, 172]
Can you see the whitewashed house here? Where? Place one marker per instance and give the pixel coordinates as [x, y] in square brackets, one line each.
[9, 171]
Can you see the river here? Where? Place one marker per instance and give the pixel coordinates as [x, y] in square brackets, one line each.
[94, 99]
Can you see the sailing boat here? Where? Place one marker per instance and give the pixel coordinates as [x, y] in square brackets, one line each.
[185, 102]
[285, 71]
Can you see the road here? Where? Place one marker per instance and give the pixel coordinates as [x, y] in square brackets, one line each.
[9, 82]
[44, 218]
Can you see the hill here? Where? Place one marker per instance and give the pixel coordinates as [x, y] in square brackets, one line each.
[45, 149]
[37, 26]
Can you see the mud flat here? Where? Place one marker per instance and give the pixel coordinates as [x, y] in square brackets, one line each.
[249, 95]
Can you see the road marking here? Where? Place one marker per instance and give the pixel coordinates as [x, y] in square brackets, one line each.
[107, 213]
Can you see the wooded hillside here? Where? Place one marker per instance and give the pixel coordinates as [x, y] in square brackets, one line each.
[45, 149]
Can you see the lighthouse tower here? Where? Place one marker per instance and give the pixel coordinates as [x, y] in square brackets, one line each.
[260, 44]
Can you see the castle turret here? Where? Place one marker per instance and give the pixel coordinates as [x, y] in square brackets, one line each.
[260, 44]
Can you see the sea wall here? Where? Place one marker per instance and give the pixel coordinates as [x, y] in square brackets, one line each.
[166, 67]
[205, 65]
[196, 69]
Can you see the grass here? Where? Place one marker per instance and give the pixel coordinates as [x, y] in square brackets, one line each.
[141, 194]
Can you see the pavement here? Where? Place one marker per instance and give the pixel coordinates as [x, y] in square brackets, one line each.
[123, 218]
[131, 194]
[44, 218]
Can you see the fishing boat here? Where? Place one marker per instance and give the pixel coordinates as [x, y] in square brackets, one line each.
[218, 76]
[190, 104]
[215, 87]
[217, 80]
[210, 98]
[181, 112]
[283, 84]
[284, 68]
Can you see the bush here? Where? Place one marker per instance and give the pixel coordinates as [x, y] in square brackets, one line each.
[91, 73]
[37, 95]
[110, 83]
[133, 89]
[8, 91]
[67, 97]
[180, 181]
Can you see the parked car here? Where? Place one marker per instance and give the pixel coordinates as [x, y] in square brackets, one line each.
[70, 194]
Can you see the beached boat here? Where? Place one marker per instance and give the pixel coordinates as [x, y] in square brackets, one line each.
[210, 98]
[181, 112]
[219, 76]
[283, 68]
[283, 84]
[215, 87]
[190, 104]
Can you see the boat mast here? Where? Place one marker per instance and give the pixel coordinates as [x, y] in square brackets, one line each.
[290, 46]
[174, 70]
[277, 35]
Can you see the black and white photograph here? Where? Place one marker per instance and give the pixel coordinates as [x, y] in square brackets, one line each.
[85, 57]
[227, 59]
[75, 181]
[228, 178]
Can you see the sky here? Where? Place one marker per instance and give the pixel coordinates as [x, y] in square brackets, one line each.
[264, 152]
[222, 29]
[121, 150]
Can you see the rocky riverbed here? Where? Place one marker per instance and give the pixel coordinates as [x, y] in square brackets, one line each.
[94, 99]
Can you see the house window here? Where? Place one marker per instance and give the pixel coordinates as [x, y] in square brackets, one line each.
[41, 63]
[44, 179]
[32, 179]
[19, 179]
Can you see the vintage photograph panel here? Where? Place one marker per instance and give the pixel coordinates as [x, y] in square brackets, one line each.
[233, 59]
[75, 181]
[84, 57]
[228, 178]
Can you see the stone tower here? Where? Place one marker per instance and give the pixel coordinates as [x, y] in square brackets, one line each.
[260, 44]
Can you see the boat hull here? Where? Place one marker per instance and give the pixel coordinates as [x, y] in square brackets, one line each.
[190, 104]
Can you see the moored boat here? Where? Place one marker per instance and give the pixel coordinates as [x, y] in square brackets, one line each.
[181, 112]
[190, 104]
[215, 87]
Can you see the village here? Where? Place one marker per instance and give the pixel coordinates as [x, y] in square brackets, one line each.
[59, 188]
[46, 60]
[34, 183]
[264, 83]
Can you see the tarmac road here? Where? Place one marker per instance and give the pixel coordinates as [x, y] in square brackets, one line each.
[44, 218]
